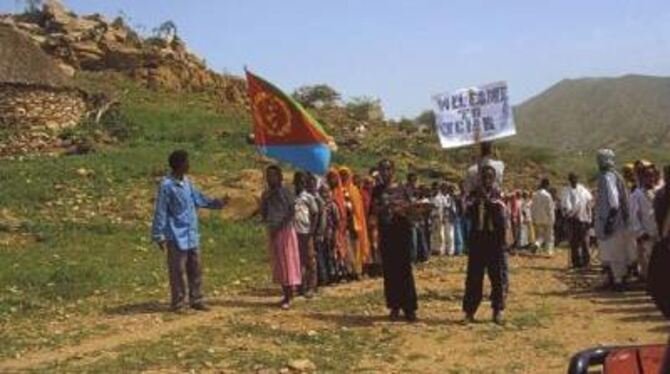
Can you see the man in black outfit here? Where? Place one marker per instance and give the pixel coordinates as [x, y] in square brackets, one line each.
[392, 206]
[487, 246]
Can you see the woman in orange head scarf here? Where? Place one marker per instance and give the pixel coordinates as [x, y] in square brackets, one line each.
[341, 240]
[360, 225]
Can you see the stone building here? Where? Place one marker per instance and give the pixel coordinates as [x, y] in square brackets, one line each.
[35, 93]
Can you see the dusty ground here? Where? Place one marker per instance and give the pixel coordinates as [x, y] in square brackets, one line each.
[551, 314]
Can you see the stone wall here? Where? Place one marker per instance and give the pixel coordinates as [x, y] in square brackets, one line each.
[40, 107]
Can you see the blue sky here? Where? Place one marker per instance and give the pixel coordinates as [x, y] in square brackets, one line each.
[403, 52]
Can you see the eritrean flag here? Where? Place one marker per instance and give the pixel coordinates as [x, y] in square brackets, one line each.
[283, 129]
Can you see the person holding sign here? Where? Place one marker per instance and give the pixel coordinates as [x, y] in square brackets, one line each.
[472, 177]
[487, 248]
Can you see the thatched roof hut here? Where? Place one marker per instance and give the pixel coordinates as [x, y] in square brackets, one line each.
[24, 62]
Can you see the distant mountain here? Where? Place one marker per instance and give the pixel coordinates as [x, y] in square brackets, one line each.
[627, 113]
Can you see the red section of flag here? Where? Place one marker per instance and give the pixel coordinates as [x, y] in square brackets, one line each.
[278, 119]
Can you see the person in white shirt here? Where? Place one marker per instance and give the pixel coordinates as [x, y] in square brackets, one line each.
[643, 220]
[472, 176]
[576, 202]
[526, 231]
[544, 217]
[444, 216]
[306, 210]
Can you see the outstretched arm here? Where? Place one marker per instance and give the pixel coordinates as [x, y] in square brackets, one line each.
[202, 201]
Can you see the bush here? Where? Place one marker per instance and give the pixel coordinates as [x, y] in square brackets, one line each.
[32, 7]
[365, 109]
[116, 124]
[407, 125]
[111, 127]
[320, 95]
[426, 118]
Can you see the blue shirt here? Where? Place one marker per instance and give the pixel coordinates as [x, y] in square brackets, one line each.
[176, 218]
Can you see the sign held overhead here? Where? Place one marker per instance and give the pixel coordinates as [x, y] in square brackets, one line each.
[470, 115]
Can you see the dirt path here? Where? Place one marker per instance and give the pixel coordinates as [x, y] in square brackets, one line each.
[551, 314]
[132, 329]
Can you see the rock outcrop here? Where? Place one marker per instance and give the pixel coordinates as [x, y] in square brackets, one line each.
[94, 43]
[37, 100]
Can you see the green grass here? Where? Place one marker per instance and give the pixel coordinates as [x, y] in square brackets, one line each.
[537, 317]
[91, 254]
[549, 347]
[87, 257]
[240, 346]
[95, 268]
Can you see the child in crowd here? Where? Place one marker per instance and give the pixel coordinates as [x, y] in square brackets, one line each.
[306, 211]
[326, 237]
[277, 212]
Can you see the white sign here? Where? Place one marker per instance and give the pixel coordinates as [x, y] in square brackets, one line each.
[475, 114]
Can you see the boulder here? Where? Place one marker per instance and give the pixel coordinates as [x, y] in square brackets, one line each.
[302, 366]
[121, 57]
[69, 70]
[115, 35]
[94, 43]
[57, 13]
[87, 47]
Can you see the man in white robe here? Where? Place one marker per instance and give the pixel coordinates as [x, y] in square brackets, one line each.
[612, 220]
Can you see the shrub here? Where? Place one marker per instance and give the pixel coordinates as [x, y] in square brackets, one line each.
[365, 109]
[320, 95]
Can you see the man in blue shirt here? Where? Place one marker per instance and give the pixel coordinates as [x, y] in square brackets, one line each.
[175, 229]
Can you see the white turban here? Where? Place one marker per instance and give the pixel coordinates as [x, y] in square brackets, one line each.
[605, 158]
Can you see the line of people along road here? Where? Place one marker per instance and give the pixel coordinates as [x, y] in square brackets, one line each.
[346, 226]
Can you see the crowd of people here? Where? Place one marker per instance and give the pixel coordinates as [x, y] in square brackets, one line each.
[345, 226]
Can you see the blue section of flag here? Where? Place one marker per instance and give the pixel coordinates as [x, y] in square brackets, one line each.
[314, 158]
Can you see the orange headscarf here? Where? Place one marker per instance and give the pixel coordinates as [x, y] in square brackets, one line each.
[338, 198]
[360, 221]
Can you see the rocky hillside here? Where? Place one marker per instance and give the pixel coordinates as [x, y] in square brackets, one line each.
[94, 43]
[96, 51]
[626, 113]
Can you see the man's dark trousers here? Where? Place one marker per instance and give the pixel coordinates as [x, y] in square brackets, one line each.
[182, 264]
[491, 261]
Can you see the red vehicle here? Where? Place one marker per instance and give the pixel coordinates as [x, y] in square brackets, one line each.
[646, 359]
[635, 359]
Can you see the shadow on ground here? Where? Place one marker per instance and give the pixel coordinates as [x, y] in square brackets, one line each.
[630, 306]
[149, 307]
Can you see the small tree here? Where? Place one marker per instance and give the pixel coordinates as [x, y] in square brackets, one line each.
[426, 118]
[407, 125]
[166, 31]
[365, 109]
[319, 95]
[31, 6]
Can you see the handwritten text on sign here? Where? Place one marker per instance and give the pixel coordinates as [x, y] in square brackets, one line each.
[474, 114]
